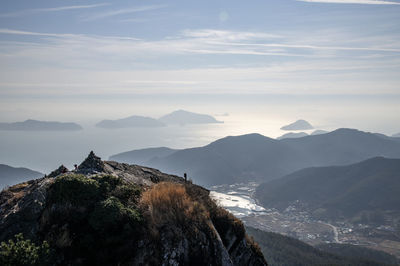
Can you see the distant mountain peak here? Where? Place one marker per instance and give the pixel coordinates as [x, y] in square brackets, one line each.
[298, 125]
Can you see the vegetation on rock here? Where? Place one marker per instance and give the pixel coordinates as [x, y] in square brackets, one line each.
[24, 252]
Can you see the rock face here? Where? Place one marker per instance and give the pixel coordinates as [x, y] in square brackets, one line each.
[107, 213]
[60, 170]
[92, 164]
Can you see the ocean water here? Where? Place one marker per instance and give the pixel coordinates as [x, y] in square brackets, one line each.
[264, 114]
[45, 151]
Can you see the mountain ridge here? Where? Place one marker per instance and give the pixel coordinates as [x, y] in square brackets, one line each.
[338, 191]
[254, 157]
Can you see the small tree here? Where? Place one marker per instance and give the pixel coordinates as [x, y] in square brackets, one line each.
[23, 252]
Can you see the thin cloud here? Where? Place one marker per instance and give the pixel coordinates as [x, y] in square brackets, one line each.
[227, 35]
[65, 35]
[364, 2]
[21, 32]
[50, 9]
[315, 47]
[122, 12]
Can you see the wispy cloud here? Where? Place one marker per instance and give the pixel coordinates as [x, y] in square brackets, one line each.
[50, 9]
[30, 33]
[212, 34]
[364, 2]
[256, 61]
[112, 13]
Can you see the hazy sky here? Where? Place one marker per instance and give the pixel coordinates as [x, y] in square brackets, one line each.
[92, 59]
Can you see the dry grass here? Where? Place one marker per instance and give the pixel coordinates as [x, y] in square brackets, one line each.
[18, 187]
[169, 203]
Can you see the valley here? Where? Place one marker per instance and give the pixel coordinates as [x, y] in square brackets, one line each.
[297, 221]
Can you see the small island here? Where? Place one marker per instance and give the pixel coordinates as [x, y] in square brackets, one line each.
[132, 121]
[183, 117]
[298, 125]
[36, 125]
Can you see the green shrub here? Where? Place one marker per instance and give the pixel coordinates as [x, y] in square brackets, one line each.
[110, 213]
[107, 183]
[127, 194]
[23, 252]
[76, 189]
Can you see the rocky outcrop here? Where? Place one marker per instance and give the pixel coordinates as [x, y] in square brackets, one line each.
[60, 170]
[21, 207]
[96, 214]
[91, 165]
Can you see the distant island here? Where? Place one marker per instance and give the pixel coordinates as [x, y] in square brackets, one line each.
[183, 117]
[180, 117]
[36, 125]
[132, 121]
[292, 135]
[298, 125]
[396, 135]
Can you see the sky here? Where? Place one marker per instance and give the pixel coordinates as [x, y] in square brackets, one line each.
[329, 60]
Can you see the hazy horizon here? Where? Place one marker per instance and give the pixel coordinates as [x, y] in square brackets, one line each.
[333, 63]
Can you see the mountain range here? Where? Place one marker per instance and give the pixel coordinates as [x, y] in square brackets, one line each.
[254, 157]
[366, 191]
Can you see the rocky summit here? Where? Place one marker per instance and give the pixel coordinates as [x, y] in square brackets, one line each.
[108, 213]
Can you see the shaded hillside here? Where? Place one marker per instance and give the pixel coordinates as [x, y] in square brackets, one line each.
[106, 213]
[13, 175]
[231, 160]
[358, 252]
[132, 121]
[35, 125]
[369, 187]
[141, 157]
[344, 146]
[280, 250]
[256, 157]
[292, 135]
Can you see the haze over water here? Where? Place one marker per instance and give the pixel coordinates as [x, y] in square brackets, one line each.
[264, 114]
